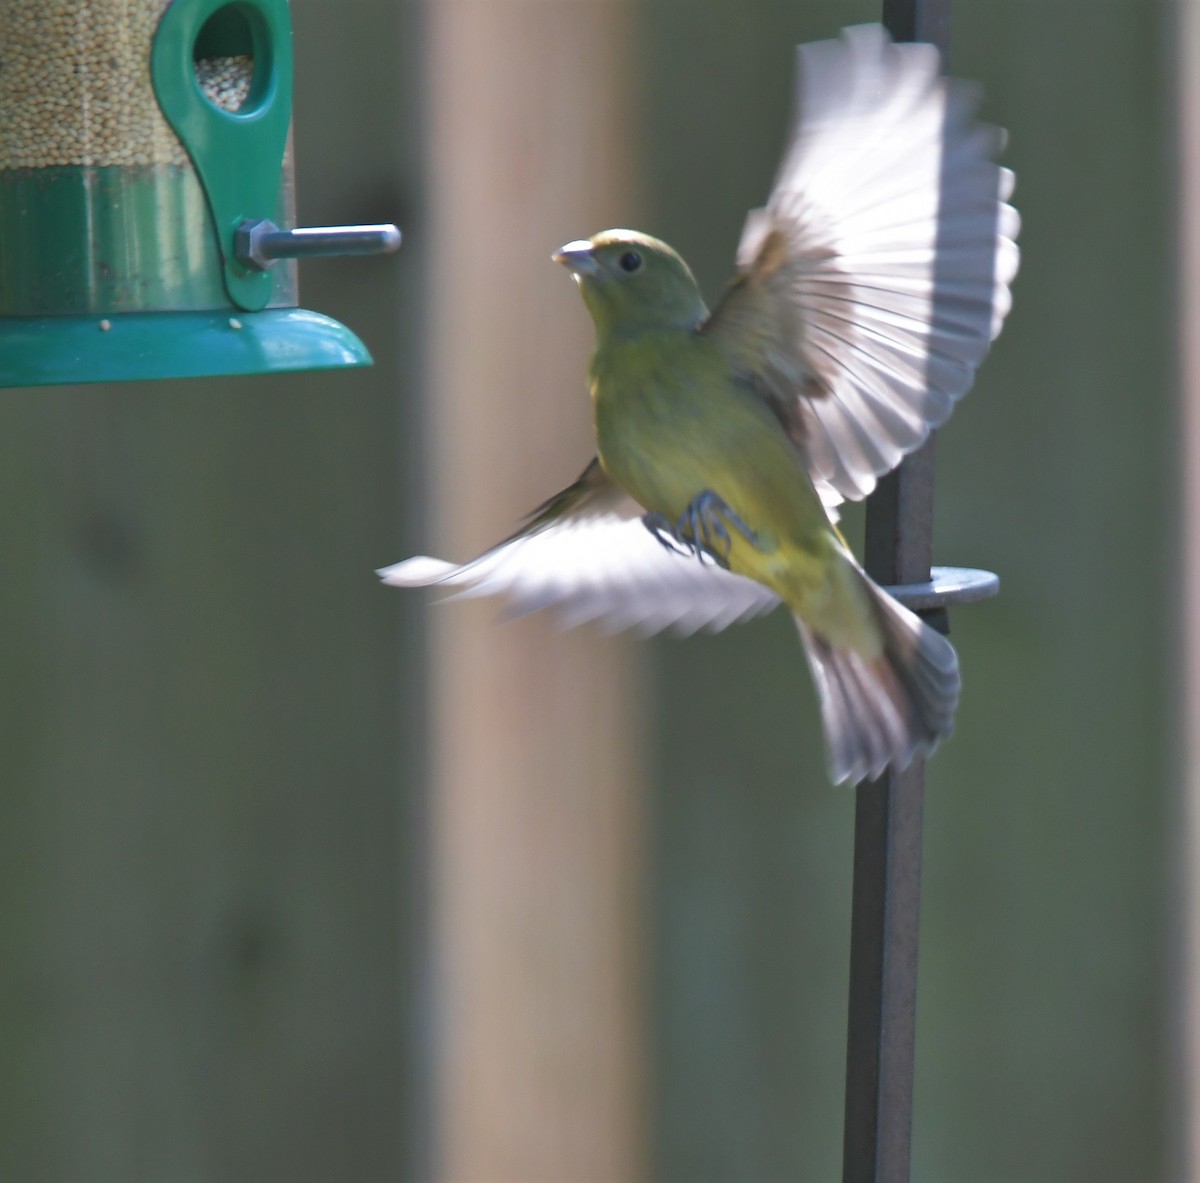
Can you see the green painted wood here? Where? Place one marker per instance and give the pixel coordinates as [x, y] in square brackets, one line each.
[1041, 1031]
[210, 714]
[209, 727]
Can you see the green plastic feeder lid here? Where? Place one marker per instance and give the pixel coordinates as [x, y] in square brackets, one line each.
[53, 350]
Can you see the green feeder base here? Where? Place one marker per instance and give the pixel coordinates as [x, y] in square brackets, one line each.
[125, 347]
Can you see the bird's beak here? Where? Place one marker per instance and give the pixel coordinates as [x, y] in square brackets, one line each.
[577, 257]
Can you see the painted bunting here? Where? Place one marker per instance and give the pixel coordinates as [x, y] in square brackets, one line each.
[867, 292]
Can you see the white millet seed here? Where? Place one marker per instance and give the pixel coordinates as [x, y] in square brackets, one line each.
[75, 85]
[225, 81]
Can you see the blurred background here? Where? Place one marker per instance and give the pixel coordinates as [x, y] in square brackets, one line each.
[305, 879]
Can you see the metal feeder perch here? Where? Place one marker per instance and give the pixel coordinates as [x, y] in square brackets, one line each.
[144, 178]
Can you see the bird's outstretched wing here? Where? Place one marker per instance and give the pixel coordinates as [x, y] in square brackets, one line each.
[876, 277]
[586, 553]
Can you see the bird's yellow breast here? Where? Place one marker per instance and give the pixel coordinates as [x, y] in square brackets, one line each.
[673, 422]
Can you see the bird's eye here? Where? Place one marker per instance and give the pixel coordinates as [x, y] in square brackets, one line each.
[630, 261]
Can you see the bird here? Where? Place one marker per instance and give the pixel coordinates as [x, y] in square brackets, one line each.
[866, 293]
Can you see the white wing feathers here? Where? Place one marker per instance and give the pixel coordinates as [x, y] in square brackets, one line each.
[883, 257]
[597, 563]
[870, 287]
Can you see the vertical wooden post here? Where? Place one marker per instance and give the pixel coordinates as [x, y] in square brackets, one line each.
[533, 810]
[1186, 38]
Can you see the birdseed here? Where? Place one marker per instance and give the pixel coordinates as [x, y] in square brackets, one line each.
[226, 80]
[75, 85]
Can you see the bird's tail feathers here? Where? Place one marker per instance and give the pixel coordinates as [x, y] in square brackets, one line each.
[882, 711]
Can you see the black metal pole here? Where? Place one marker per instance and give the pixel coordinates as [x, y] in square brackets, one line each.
[888, 815]
[886, 902]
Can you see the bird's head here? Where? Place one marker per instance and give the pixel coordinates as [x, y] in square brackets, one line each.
[632, 282]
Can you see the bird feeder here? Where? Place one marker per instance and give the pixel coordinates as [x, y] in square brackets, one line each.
[145, 175]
